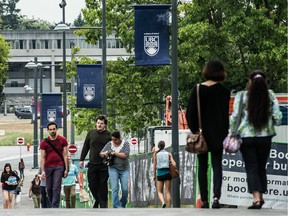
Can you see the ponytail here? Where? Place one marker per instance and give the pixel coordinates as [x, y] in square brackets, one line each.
[258, 100]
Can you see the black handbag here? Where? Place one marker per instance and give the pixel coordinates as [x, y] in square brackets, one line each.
[108, 160]
[195, 142]
[60, 155]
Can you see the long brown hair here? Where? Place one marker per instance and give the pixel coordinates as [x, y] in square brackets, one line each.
[258, 100]
[161, 146]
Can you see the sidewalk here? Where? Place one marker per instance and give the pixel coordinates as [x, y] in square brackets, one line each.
[27, 208]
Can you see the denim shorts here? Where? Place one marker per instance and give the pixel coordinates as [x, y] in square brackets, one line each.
[9, 191]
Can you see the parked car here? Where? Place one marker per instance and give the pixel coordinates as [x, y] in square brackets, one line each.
[23, 113]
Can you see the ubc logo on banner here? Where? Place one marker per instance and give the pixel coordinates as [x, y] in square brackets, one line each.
[88, 92]
[151, 45]
[89, 86]
[51, 115]
[152, 35]
[51, 109]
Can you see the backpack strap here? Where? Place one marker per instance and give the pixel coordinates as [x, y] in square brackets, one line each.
[53, 147]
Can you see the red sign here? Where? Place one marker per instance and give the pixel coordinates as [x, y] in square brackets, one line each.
[20, 141]
[72, 149]
[133, 141]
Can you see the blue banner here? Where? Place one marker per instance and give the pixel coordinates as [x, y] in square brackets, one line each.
[89, 86]
[152, 35]
[51, 109]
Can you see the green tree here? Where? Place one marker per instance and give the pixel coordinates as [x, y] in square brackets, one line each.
[243, 34]
[79, 21]
[4, 55]
[34, 24]
[9, 14]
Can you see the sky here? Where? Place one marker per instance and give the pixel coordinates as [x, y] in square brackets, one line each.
[49, 9]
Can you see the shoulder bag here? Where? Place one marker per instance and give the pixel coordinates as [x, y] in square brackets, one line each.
[232, 142]
[195, 142]
[173, 169]
[60, 155]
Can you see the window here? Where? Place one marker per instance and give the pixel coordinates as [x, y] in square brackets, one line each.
[38, 44]
[17, 44]
[33, 44]
[72, 44]
[21, 44]
[45, 44]
[14, 84]
[59, 44]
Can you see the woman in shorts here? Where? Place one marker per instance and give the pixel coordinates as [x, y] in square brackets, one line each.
[161, 161]
[10, 180]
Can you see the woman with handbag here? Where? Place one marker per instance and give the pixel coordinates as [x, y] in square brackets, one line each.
[259, 115]
[214, 106]
[161, 161]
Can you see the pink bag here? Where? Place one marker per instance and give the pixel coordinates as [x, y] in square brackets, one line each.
[232, 144]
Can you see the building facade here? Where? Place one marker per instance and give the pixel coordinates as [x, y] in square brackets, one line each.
[46, 47]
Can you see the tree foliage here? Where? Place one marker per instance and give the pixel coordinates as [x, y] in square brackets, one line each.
[9, 14]
[243, 34]
[34, 24]
[11, 19]
[4, 55]
[79, 21]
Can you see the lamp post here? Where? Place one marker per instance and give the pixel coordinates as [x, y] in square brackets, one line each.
[32, 65]
[62, 5]
[72, 126]
[104, 61]
[40, 67]
[63, 27]
[174, 86]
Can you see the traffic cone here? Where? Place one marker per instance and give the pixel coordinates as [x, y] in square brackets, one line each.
[198, 201]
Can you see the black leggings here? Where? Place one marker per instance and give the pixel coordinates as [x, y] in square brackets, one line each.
[255, 152]
[216, 158]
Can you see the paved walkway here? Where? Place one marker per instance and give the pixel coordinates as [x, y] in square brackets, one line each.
[144, 212]
[26, 208]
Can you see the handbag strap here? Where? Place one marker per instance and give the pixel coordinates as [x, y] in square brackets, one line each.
[53, 147]
[198, 108]
[239, 115]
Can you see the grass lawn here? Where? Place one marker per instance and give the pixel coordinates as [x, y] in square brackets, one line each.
[23, 128]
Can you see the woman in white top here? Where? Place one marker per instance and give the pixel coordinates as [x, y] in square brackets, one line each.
[118, 169]
[161, 160]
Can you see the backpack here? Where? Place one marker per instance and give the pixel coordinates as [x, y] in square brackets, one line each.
[21, 165]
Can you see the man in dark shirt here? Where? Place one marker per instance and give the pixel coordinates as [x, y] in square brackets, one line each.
[95, 140]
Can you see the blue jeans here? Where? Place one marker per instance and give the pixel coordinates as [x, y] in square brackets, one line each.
[115, 176]
[21, 173]
[53, 184]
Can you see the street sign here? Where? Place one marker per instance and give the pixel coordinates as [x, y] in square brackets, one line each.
[20, 141]
[72, 149]
[133, 141]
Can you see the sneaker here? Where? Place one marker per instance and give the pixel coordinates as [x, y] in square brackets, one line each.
[205, 204]
[163, 206]
[216, 204]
